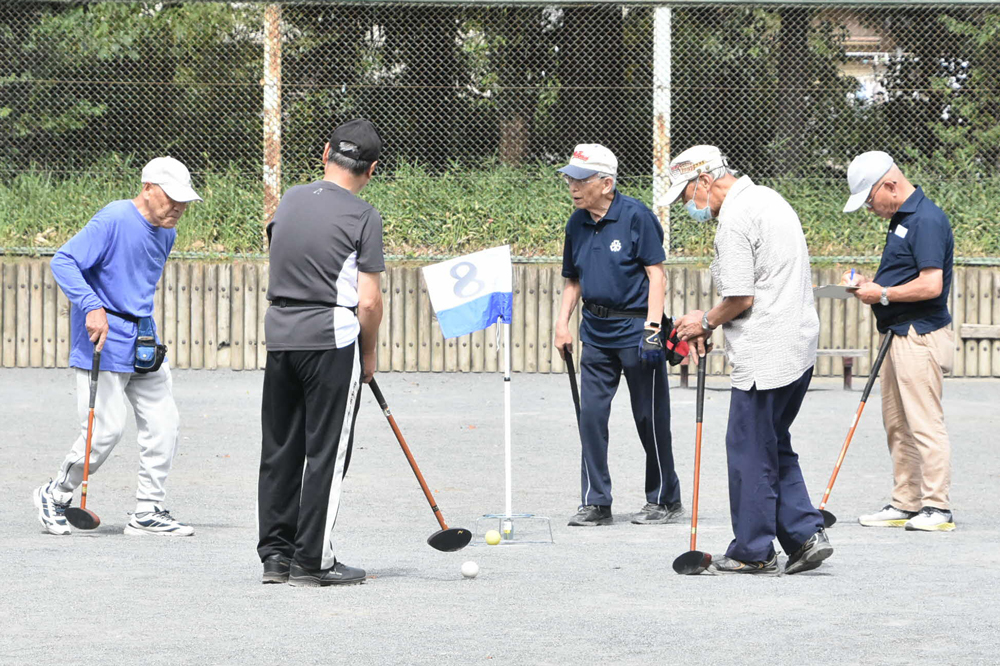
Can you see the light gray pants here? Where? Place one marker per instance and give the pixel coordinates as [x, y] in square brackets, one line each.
[155, 416]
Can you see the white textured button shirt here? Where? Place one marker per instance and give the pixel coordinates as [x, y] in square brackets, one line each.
[760, 251]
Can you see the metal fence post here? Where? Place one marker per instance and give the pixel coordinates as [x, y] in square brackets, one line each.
[661, 118]
[272, 111]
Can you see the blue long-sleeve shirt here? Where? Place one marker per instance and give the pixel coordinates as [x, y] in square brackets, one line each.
[114, 262]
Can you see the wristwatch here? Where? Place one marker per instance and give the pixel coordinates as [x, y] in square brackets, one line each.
[884, 299]
[652, 324]
[704, 323]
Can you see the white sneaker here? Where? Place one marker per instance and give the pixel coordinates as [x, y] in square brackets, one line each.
[889, 516]
[158, 522]
[931, 519]
[51, 512]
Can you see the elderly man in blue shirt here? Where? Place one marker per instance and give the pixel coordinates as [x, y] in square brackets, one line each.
[109, 271]
[613, 257]
[909, 296]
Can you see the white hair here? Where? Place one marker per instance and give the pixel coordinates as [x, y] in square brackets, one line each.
[614, 179]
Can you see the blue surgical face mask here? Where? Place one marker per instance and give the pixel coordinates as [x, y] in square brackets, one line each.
[698, 214]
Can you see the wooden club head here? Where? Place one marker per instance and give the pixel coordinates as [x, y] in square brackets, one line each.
[82, 519]
[450, 540]
[692, 563]
[828, 518]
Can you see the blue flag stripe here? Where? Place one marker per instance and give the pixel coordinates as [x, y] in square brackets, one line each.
[476, 314]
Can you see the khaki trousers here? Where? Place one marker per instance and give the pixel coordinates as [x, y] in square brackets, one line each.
[912, 383]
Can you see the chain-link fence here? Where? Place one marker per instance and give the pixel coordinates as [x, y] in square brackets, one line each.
[477, 101]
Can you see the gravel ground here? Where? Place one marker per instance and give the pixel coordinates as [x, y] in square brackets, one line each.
[598, 595]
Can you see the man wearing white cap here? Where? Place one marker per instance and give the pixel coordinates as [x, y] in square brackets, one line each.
[761, 269]
[109, 271]
[909, 296]
[613, 257]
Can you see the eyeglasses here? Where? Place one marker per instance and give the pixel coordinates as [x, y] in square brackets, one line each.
[871, 198]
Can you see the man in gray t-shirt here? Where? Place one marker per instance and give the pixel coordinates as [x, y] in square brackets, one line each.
[326, 305]
[761, 269]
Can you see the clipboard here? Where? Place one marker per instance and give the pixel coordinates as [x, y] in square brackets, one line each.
[838, 291]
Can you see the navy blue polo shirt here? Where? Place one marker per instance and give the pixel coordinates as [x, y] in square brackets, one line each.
[609, 258]
[919, 237]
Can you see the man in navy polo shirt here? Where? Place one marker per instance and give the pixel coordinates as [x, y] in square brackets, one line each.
[909, 295]
[613, 257]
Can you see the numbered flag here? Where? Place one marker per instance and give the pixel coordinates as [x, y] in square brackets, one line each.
[470, 293]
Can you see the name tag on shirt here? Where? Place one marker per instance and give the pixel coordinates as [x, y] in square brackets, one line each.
[900, 231]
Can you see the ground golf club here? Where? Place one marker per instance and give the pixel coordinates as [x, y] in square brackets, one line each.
[694, 561]
[446, 539]
[81, 517]
[828, 518]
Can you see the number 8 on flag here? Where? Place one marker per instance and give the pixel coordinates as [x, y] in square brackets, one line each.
[470, 293]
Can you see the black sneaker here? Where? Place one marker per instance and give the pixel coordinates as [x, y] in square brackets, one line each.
[658, 514]
[722, 564]
[810, 554]
[276, 569]
[338, 574]
[591, 515]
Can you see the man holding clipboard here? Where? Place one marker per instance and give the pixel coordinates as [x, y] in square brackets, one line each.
[909, 296]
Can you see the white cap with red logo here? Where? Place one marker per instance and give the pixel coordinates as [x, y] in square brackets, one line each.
[588, 159]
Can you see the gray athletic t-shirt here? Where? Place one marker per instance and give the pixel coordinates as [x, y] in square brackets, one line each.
[321, 237]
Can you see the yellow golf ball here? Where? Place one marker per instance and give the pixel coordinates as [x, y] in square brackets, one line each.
[493, 537]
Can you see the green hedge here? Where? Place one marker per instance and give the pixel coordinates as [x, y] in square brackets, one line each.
[464, 210]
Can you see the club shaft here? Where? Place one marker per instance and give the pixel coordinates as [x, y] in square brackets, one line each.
[843, 454]
[699, 411]
[406, 451]
[571, 371]
[95, 368]
[883, 350]
[416, 472]
[86, 460]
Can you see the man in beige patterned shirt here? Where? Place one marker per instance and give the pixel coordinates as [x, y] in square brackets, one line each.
[761, 269]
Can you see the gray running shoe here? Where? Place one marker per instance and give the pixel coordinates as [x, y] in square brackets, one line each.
[658, 514]
[810, 554]
[722, 564]
[591, 515]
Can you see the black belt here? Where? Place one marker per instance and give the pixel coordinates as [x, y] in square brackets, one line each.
[605, 312]
[294, 302]
[122, 315]
[904, 317]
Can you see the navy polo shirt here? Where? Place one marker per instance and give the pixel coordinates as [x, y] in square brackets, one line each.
[609, 258]
[919, 237]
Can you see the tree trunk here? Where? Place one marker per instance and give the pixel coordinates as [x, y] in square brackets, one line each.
[591, 74]
[793, 78]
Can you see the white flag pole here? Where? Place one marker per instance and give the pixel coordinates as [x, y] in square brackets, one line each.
[506, 416]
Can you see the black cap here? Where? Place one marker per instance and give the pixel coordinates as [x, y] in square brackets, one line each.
[357, 139]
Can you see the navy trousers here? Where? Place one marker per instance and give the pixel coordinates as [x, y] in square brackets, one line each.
[601, 369]
[767, 495]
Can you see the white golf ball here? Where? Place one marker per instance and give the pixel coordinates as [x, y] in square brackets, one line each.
[470, 569]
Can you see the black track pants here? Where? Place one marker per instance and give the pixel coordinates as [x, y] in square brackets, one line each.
[310, 404]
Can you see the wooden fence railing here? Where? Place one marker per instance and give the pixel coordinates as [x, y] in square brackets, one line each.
[211, 315]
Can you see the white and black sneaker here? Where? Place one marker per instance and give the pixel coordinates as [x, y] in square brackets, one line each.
[931, 519]
[157, 522]
[51, 511]
[889, 516]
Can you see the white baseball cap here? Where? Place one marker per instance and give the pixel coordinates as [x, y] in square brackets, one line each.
[689, 165]
[172, 176]
[866, 169]
[588, 159]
